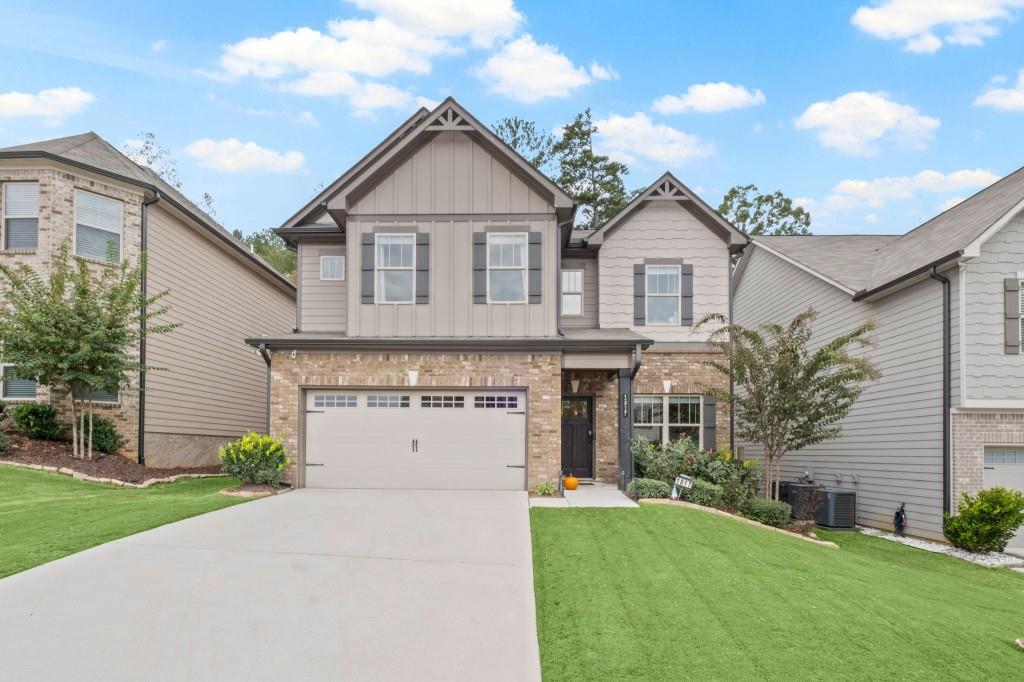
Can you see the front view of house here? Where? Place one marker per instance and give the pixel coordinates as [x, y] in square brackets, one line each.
[454, 331]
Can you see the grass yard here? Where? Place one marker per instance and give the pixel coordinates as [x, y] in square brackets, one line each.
[46, 516]
[665, 593]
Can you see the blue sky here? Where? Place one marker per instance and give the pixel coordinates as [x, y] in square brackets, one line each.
[876, 115]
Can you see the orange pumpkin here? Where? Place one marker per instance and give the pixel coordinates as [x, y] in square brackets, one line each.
[571, 483]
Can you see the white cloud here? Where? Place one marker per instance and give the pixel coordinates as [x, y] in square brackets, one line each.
[950, 203]
[876, 192]
[483, 21]
[856, 122]
[871, 218]
[963, 22]
[709, 98]
[602, 72]
[52, 105]
[1004, 99]
[758, 128]
[634, 138]
[159, 45]
[527, 71]
[234, 156]
[307, 118]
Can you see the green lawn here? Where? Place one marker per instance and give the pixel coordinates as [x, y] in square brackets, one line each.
[665, 593]
[46, 516]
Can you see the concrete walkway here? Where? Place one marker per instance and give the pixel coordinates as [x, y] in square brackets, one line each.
[586, 495]
[311, 585]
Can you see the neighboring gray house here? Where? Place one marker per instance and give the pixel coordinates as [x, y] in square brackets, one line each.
[213, 387]
[947, 416]
[455, 331]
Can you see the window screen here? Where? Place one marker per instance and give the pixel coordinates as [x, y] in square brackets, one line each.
[97, 226]
[21, 215]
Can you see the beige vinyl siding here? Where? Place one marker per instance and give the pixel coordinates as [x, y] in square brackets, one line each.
[451, 173]
[324, 303]
[663, 229]
[890, 449]
[212, 383]
[993, 374]
[590, 288]
[451, 311]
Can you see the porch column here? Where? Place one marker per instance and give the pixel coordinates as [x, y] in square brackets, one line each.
[625, 427]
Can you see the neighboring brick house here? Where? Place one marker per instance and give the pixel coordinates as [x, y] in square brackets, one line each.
[947, 415]
[455, 331]
[212, 387]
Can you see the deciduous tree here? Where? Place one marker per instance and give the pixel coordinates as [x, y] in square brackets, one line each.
[769, 214]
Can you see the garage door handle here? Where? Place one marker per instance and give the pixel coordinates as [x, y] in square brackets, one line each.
[313, 464]
[515, 413]
[314, 411]
[515, 466]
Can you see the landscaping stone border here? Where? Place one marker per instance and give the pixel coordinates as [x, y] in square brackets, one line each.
[719, 512]
[109, 481]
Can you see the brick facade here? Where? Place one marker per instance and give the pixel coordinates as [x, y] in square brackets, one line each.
[972, 431]
[539, 374]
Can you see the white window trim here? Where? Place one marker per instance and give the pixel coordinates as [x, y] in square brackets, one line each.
[378, 268]
[120, 230]
[525, 267]
[340, 278]
[678, 296]
[3, 370]
[572, 293]
[4, 217]
[666, 423]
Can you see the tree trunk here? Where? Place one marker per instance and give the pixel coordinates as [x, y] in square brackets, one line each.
[778, 475]
[74, 428]
[768, 460]
[90, 425]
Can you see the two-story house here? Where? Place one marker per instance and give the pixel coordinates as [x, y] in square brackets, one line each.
[454, 331]
[212, 387]
[947, 414]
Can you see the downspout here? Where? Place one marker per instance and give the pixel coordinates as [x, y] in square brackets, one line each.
[144, 223]
[947, 369]
[732, 382]
[637, 362]
[266, 358]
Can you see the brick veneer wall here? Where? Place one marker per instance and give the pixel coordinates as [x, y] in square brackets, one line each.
[538, 373]
[972, 431]
[603, 386]
[56, 224]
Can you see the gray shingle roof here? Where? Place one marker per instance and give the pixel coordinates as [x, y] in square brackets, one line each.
[91, 150]
[847, 259]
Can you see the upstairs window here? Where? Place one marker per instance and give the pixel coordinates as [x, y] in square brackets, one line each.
[663, 299]
[332, 268]
[21, 215]
[1020, 295]
[572, 293]
[98, 222]
[13, 388]
[506, 268]
[396, 268]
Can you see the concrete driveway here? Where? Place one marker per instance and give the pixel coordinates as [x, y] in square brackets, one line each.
[311, 585]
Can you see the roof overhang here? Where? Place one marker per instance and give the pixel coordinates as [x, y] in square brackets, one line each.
[290, 235]
[973, 250]
[810, 271]
[517, 344]
[907, 278]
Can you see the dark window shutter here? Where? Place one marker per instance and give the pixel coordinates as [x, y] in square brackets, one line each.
[686, 289]
[479, 267]
[639, 294]
[1011, 303]
[536, 261]
[422, 267]
[366, 263]
[708, 422]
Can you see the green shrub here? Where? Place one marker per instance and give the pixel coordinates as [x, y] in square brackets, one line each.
[254, 458]
[545, 489]
[648, 488]
[987, 522]
[38, 420]
[741, 484]
[3, 410]
[5, 442]
[651, 460]
[105, 437]
[768, 512]
[705, 494]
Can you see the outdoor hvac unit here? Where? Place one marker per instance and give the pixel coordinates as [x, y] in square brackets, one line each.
[798, 495]
[838, 509]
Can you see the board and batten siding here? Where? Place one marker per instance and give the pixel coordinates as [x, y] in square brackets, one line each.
[890, 448]
[324, 304]
[451, 173]
[590, 288]
[659, 229]
[992, 374]
[211, 382]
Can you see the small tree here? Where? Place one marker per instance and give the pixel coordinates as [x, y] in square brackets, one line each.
[754, 213]
[76, 331]
[528, 140]
[271, 248]
[787, 396]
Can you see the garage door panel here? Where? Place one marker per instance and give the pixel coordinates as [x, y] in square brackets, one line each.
[1004, 467]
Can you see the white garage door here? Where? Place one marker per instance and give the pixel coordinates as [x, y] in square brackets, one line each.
[1004, 467]
[433, 440]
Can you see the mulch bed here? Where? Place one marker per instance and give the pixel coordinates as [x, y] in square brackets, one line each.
[59, 454]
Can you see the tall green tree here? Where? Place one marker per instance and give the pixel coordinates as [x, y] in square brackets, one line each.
[77, 330]
[529, 141]
[592, 179]
[270, 248]
[788, 394]
[754, 213]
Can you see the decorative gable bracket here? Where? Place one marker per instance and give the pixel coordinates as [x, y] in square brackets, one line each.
[449, 120]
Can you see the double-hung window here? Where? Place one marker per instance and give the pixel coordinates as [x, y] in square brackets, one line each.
[506, 268]
[663, 299]
[96, 395]
[396, 268]
[665, 418]
[13, 388]
[1020, 301]
[21, 215]
[572, 293]
[98, 222]
[332, 268]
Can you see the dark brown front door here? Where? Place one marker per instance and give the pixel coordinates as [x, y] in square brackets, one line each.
[578, 437]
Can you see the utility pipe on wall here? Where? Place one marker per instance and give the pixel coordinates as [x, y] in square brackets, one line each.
[144, 243]
[947, 369]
